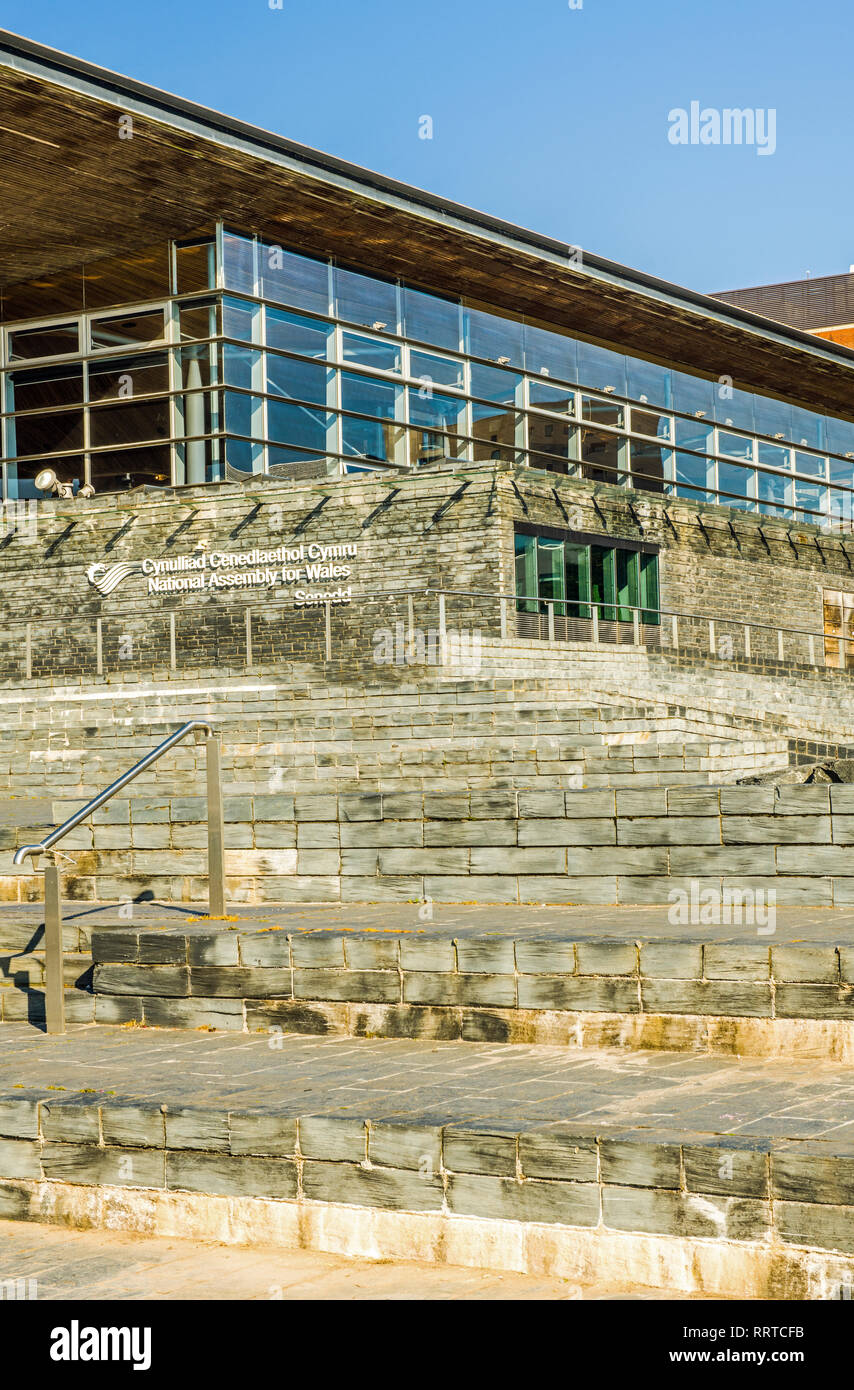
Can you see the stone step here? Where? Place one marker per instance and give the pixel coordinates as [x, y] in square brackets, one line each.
[704, 1175]
[746, 998]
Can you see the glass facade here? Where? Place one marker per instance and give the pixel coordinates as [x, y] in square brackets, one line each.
[250, 358]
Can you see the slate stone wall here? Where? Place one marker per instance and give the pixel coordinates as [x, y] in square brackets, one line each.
[587, 846]
[433, 529]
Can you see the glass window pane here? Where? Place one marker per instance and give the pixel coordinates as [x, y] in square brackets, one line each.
[600, 368]
[287, 278]
[550, 437]
[774, 488]
[129, 423]
[693, 434]
[577, 581]
[602, 456]
[773, 456]
[559, 399]
[694, 477]
[603, 412]
[603, 581]
[301, 381]
[372, 439]
[195, 266]
[735, 446]
[238, 319]
[367, 396]
[840, 435]
[773, 418]
[127, 330]
[298, 425]
[58, 340]
[198, 320]
[648, 422]
[430, 319]
[842, 471]
[58, 432]
[626, 564]
[437, 371]
[238, 256]
[736, 481]
[648, 382]
[428, 446]
[734, 408]
[492, 384]
[366, 300]
[241, 366]
[811, 464]
[124, 468]
[494, 431]
[120, 378]
[291, 333]
[243, 414]
[692, 394]
[650, 465]
[368, 352]
[550, 575]
[44, 387]
[435, 411]
[811, 500]
[526, 573]
[808, 428]
[649, 589]
[550, 354]
[241, 456]
[495, 338]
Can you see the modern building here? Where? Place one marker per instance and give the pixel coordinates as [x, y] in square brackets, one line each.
[824, 304]
[197, 314]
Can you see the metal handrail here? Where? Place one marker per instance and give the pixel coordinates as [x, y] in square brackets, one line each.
[54, 996]
[512, 597]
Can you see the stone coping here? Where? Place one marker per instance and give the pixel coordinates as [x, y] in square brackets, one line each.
[811, 926]
[760, 1153]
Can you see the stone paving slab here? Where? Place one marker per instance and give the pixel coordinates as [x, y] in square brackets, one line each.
[404, 1081]
[808, 925]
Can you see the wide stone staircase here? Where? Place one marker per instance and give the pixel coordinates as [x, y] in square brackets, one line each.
[495, 1044]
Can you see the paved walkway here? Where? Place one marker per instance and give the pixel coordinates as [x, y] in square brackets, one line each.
[813, 925]
[423, 1083]
[90, 1265]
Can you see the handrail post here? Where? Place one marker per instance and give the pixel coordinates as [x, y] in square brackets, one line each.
[54, 992]
[216, 828]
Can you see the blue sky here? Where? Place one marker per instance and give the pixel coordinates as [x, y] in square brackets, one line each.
[549, 116]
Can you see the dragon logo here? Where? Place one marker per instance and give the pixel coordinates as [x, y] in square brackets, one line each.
[106, 578]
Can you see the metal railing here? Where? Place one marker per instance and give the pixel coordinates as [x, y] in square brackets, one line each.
[246, 635]
[54, 982]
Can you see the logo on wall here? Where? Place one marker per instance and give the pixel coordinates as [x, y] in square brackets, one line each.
[106, 578]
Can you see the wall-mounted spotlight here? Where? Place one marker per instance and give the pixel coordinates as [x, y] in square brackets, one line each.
[47, 481]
